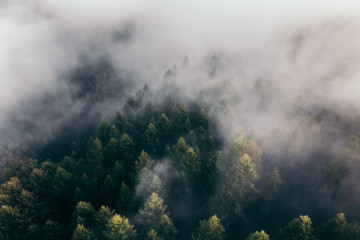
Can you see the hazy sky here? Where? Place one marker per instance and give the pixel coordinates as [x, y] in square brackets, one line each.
[42, 39]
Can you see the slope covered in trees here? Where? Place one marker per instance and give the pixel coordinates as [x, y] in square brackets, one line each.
[160, 168]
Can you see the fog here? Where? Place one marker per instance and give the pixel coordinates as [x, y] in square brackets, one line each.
[295, 46]
[284, 72]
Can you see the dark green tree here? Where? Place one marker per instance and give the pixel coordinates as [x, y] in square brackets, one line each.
[123, 197]
[119, 228]
[152, 139]
[82, 233]
[104, 132]
[62, 183]
[298, 229]
[153, 216]
[238, 184]
[84, 214]
[258, 236]
[143, 161]
[95, 154]
[111, 153]
[126, 148]
[108, 190]
[210, 229]
[272, 182]
[12, 223]
[181, 118]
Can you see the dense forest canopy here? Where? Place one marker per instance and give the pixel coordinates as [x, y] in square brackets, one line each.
[161, 170]
[128, 122]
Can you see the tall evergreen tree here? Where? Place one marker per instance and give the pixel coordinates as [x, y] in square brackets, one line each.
[210, 229]
[298, 229]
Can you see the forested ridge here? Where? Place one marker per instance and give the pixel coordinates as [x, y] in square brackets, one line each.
[162, 170]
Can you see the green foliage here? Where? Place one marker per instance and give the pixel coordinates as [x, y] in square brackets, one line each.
[73, 194]
[104, 131]
[210, 229]
[82, 233]
[238, 145]
[334, 229]
[118, 172]
[126, 147]
[108, 190]
[152, 235]
[41, 179]
[95, 155]
[103, 215]
[123, 197]
[148, 182]
[177, 151]
[181, 118]
[258, 236]
[119, 228]
[239, 183]
[52, 230]
[337, 228]
[142, 162]
[163, 127]
[120, 122]
[12, 223]
[272, 182]
[62, 182]
[17, 167]
[298, 229]
[190, 163]
[166, 229]
[111, 153]
[154, 219]
[84, 214]
[150, 214]
[17, 200]
[201, 120]
[152, 138]
[187, 160]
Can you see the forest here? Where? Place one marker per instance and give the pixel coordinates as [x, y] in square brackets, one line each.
[159, 168]
[179, 120]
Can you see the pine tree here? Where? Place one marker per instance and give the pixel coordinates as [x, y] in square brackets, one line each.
[210, 229]
[258, 236]
[119, 228]
[298, 229]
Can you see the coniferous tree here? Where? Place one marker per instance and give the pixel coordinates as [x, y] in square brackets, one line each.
[298, 229]
[82, 233]
[123, 197]
[84, 214]
[153, 216]
[119, 228]
[210, 229]
[111, 153]
[272, 182]
[238, 184]
[258, 236]
[104, 132]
